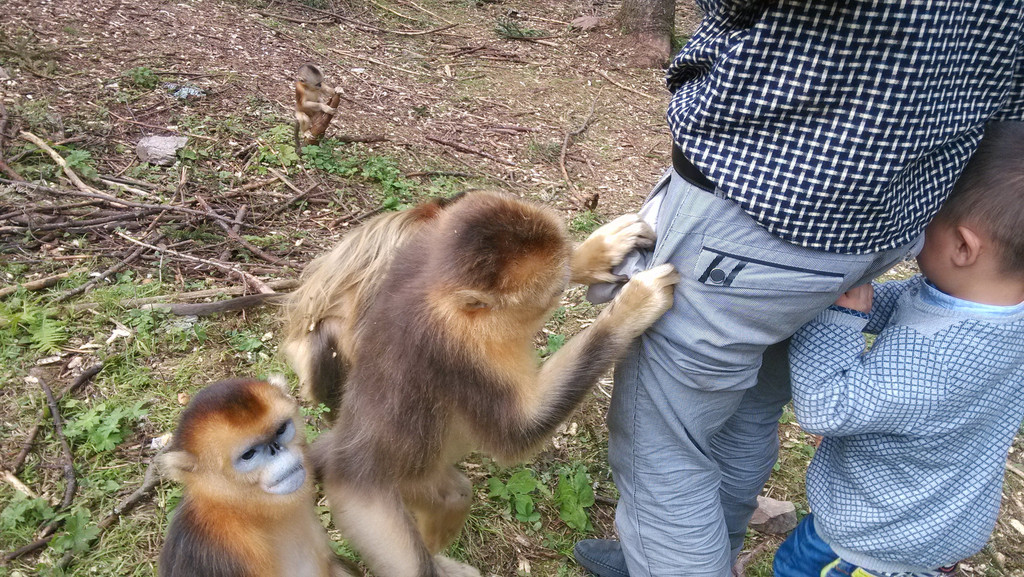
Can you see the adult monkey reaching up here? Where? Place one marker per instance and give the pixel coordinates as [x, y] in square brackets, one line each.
[436, 337]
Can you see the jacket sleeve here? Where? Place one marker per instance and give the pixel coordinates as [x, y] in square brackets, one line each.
[839, 390]
[887, 294]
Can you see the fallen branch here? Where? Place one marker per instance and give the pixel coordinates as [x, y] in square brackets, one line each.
[59, 160]
[1015, 469]
[284, 205]
[294, 20]
[216, 307]
[25, 550]
[430, 173]
[112, 270]
[67, 462]
[463, 148]
[111, 199]
[364, 139]
[277, 285]
[422, 9]
[253, 282]
[15, 482]
[30, 438]
[36, 285]
[237, 228]
[624, 87]
[150, 479]
[741, 563]
[569, 136]
[248, 245]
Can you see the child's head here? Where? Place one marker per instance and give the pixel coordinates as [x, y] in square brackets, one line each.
[983, 219]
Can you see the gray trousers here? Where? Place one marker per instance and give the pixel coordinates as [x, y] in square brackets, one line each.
[696, 404]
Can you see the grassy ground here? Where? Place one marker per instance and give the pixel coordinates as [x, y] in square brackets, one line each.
[557, 121]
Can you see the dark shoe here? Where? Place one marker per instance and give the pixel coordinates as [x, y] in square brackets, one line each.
[601, 557]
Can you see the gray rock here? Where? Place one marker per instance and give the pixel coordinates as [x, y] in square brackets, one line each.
[774, 517]
[160, 150]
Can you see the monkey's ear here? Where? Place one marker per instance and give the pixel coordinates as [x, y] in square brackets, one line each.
[468, 299]
[175, 464]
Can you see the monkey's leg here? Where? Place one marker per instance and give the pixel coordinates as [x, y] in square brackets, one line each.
[440, 506]
[377, 525]
[593, 260]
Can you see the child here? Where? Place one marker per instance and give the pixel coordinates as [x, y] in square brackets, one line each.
[908, 477]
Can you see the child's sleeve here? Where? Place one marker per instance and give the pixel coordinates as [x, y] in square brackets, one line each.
[839, 391]
[887, 294]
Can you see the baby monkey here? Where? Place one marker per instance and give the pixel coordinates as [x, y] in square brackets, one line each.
[309, 86]
[248, 508]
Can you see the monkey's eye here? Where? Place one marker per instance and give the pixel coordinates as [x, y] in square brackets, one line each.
[282, 428]
[248, 454]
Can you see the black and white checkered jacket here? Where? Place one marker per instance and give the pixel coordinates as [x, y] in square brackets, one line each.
[841, 125]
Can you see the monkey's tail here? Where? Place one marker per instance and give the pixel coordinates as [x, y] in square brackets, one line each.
[327, 366]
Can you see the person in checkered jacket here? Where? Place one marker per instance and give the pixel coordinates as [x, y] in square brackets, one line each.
[909, 474]
[813, 141]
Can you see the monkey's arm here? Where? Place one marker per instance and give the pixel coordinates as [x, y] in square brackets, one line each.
[314, 106]
[593, 260]
[568, 375]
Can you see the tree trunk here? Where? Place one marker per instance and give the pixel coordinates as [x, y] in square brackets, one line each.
[650, 24]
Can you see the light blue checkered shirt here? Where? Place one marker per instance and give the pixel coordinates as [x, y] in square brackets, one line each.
[917, 430]
[841, 126]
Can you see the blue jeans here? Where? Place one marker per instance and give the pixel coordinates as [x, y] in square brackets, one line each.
[693, 424]
[803, 553]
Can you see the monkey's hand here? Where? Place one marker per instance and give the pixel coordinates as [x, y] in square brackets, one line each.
[451, 568]
[593, 260]
[644, 299]
[327, 109]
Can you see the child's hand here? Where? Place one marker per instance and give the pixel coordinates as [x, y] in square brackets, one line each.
[859, 298]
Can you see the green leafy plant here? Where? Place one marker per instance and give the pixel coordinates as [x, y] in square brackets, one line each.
[78, 532]
[81, 161]
[24, 511]
[141, 77]
[102, 427]
[555, 342]
[35, 327]
[315, 420]
[517, 495]
[278, 147]
[509, 28]
[574, 495]
[244, 342]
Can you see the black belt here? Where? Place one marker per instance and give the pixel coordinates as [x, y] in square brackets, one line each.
[688, 171]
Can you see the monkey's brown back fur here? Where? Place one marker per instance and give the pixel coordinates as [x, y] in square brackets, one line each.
[433, 356]
[335, 290]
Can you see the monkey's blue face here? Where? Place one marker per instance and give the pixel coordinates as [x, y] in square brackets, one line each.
[278, 464]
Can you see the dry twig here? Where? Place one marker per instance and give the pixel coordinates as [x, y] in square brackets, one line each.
[569, 136]
[253, 282]
[150, 479]
[464, 148]
[277, 285]
[134, 256]
[246, 244]
[35, 285]
[624, 87]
